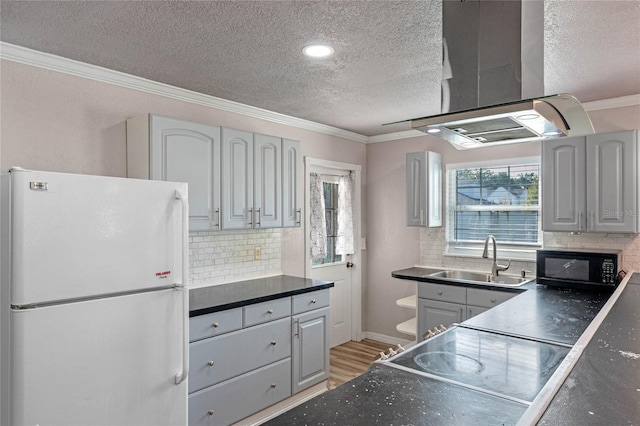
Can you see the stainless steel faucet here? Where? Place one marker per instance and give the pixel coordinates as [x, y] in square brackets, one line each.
[495, 268]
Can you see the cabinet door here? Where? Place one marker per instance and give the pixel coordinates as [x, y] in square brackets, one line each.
[424, 189]
[237, 179]
[181, 151]
[416, 188]
[291, 183]
[612, 182]
[267, 181]
[310, 349]
[432, 313]
[563, 186]
[472, 311]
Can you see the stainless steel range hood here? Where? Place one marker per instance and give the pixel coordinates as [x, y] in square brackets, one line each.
[492, 80]
[519, 121]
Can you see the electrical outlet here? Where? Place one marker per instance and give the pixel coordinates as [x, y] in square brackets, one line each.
[257, 253]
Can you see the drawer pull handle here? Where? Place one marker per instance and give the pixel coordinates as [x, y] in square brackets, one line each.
[273, 343]
[440, 293]
[210, 363]
[210, 412]
[313, 301]
[270, 311]
[273, 385]
[215, 325]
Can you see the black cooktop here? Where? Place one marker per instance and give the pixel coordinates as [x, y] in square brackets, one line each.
[505, 365]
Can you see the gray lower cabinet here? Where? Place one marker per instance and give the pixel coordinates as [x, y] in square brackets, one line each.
[442, 304]
[241, 396]
[244, 360]
[310, 348]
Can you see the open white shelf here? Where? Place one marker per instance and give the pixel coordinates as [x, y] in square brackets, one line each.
[408, 302]
[408, 327]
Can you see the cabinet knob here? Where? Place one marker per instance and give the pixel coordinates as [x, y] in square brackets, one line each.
[273, 343]
[270, 311]
[313, 301]
[210, 412]
[273, 385]
[440, 293]
[215, 325]
[493, 300]
[210, 363]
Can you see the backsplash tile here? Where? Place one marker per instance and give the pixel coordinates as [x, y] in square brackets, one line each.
[225, 256]
[432, 247]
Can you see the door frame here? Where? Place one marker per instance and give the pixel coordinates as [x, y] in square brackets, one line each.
[356, 273]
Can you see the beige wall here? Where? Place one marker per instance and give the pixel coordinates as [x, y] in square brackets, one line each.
[57, 122]
[52, 121]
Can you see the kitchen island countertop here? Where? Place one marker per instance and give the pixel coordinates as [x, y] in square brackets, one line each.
[214, 298]
[373, 398]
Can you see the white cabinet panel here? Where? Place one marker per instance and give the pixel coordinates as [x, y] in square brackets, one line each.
[291, 183]
[267, 181]
[424, 189]
[237, 179]
[163, 148]
[564, 188]
[310, 348]
[590, 183]
[612, 182]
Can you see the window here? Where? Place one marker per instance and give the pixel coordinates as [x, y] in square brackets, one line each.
[331, 219]
[501, 200]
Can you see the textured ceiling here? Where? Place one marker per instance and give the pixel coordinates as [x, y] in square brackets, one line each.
[386, 66]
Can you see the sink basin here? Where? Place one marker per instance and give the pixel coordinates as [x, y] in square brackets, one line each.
[479, 277]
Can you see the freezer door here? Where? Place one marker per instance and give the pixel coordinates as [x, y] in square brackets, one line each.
[101, 362]
[76, 236]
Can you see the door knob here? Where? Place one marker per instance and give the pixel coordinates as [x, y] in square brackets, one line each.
[349, 264]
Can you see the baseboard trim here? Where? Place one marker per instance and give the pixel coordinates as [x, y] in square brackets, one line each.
[284, 406]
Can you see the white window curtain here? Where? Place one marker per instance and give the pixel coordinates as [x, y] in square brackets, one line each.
[344, 240]
[318, 225]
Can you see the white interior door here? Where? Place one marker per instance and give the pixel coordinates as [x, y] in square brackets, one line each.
[345, 313]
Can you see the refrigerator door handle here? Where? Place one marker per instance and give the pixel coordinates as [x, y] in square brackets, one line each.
[181, 376]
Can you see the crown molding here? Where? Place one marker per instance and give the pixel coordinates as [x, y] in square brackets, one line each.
[623, 101]
[23, 55]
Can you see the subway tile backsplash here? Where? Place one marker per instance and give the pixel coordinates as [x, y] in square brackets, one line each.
[432, 247]
[225, 256]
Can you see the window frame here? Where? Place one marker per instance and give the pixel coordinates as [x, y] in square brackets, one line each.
[472, 248]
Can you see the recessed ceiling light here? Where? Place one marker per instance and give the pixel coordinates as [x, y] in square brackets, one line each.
[318, 50]
[528, 117]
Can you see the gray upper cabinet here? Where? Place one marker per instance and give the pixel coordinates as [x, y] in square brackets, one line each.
[291, 183]
[424, 189]
[590, 183]
[162, 148]
[251, 180]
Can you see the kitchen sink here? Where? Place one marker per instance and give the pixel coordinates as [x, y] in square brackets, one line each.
[479, 277]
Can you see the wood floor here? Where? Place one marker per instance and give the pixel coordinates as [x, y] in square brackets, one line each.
[351, 359]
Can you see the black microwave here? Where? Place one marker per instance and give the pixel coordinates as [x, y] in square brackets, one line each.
[584, 269]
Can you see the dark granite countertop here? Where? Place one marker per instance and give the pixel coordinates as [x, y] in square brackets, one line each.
[389, 396]
[602, 388]
[205, 300]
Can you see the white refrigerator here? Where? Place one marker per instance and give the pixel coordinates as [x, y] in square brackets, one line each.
[94, 308]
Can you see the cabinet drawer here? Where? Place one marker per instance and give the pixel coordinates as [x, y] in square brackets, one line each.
[310, 301]
[443, 292]
[487, 298]
[266, 311]
[242, 396]
[214, 324]
[220, 358]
